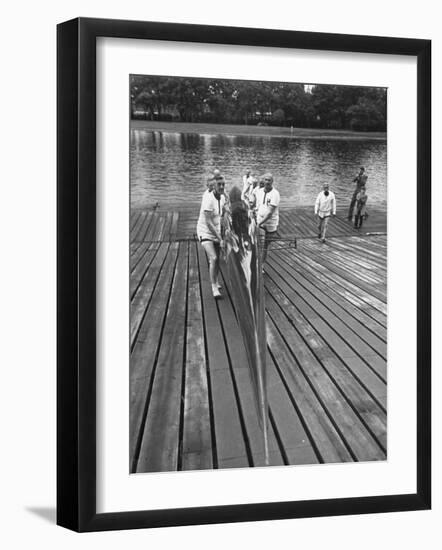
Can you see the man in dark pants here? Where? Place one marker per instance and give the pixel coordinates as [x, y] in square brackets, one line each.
[361, 203]
[361, 181]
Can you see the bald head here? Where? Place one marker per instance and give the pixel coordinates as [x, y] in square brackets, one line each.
[268, 181]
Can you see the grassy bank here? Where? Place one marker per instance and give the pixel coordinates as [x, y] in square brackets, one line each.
[242, 130]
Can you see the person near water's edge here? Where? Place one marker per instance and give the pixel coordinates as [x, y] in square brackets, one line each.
[325, 206]
[361, 205]
[209, 228]
[266, 202]
[361, 181]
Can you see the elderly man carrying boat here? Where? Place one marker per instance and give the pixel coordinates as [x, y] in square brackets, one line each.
[325, 206]
[209, 229]
[267, 208]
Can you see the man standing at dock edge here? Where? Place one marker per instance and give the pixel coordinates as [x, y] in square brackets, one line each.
[361, 181]
[325, 206]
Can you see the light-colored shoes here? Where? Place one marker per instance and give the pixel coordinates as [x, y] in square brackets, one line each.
[215, 291]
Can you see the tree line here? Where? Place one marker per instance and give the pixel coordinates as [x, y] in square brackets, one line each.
[250, 102]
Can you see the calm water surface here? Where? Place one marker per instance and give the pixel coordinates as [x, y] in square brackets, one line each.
[172, 167]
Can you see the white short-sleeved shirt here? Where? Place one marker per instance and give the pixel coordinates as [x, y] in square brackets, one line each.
[263, 201]
[210, 204]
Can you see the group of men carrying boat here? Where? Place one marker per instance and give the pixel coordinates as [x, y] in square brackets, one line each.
[262, 200]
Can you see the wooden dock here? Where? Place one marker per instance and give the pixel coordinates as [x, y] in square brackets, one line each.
[191, 402]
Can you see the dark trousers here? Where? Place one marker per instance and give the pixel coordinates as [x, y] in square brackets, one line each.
[268, 238]
[352, 204]
[322, 227]
[359, 218]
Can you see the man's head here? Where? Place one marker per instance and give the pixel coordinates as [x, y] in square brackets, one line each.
[326, 188]
[362, 169]
[268, 182]
[248, 172]
[217, 173]
[219, 185]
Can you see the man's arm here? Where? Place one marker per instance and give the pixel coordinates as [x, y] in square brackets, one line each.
[317, 204]
[208, 214]
[252, 199]
[334, 205]
[270, 211]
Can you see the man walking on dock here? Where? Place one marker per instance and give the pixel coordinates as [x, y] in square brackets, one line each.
[325, 206]
[361, 181]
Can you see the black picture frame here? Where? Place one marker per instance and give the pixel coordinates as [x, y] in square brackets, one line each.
[77, 287]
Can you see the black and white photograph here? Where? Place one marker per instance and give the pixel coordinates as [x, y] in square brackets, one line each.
[220, 238]
[258, 273]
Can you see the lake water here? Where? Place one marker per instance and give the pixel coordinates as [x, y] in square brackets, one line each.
[170, 168]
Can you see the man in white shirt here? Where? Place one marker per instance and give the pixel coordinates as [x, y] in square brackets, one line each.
[267, 211]
[248, 189]
[209, 229]
[325, 206]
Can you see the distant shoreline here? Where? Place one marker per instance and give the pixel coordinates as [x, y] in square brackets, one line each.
[243, 130]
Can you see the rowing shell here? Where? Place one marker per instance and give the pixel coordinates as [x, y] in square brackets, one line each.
[245, 280]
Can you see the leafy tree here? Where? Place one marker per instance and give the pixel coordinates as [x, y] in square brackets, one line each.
[278, 117]
[251, 102]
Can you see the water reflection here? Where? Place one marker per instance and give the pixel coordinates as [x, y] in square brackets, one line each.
[172, 167]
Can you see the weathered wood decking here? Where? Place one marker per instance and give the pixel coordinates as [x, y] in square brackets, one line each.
[191, 402]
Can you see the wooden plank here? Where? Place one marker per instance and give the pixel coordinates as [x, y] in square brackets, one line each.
[354, 332]
[137, 225]
[151, 230]
[366, 303]
[296, 444]
[375, 307]
[142, 268]
[321, 332]
[134, 216]
[167, 226]
[143, 295]
[140, 236]
[359, 439]
[363, 270]
[231, 449]
[329, 443]
[160, 441]
[197, 437]
[335, 293]
[133, 247]
[173, 232]
[146, 348]
[137, 255]
[357, 280]
[157, 233]
[364, 246]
